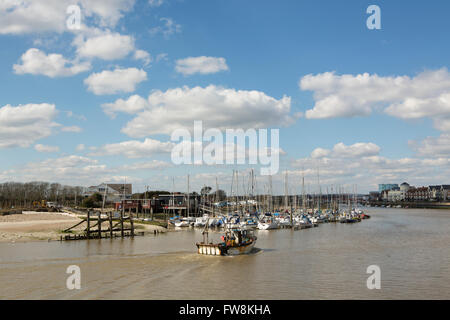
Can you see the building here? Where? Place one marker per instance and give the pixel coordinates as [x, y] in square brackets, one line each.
[446, 192]
[405, 192]
[164, 202]
[387, 187]
[397, 193]
[374, 196]
[439, 193]
[404, 187]
[114, 192]
[417, 194]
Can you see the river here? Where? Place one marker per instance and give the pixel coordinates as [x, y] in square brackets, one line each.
[411, 247]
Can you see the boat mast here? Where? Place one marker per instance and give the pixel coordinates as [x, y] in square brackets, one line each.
[188, 198]
[231, 194]
[320, 189]
[303, 191]
[217, 195]
[173, 196]
[286, 201]
[237, 190]
[104, 199]
[270, 194]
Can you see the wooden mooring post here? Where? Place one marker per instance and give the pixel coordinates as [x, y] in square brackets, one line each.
[132, 224]
[121, 224]
[88, 230]
[110, 225]
[99, 225]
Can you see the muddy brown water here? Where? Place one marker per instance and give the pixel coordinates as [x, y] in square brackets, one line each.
[411, 247]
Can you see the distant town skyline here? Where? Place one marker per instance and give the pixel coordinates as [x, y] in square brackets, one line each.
[98, 104]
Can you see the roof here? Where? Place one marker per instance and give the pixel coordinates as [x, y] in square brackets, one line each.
[120, 187]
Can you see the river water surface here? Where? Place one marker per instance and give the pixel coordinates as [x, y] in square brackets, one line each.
[411, 247]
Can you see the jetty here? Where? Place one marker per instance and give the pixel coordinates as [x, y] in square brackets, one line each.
[103, 225]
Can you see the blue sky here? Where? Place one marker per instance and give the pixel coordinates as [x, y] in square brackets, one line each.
[263, 46]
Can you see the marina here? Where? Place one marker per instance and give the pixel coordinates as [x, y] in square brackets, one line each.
[327, 262]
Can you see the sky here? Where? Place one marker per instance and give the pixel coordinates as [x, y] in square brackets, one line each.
[353, 105]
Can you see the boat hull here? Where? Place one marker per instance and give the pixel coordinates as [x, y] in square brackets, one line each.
[222, 250]
[234, 251]
[182, 224]
[210, 249]
[267, 226]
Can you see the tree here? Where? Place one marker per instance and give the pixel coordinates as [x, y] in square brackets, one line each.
[221, 195]
[97, 197]
[88, 203]
[205, 190]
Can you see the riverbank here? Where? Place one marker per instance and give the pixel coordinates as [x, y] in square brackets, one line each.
[43, 226]
[410, 205]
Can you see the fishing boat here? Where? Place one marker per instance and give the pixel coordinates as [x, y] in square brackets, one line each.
[235, 241]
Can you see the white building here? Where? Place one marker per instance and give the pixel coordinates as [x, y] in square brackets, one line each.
[114, 192]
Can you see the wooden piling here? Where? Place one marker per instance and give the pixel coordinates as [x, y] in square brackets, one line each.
[121, 224]
[132, 224]
[100, 225]
[88, 230]
[110, 225]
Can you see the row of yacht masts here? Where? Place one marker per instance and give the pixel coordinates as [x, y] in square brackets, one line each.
[250, 198]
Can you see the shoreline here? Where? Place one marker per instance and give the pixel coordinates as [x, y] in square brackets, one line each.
[32, 226]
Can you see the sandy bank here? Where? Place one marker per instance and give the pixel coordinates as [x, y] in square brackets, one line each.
[38, 226]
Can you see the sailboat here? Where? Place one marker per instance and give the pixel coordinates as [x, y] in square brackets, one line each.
[267, 224]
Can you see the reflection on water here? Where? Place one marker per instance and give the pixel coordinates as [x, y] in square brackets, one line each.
[329, 262]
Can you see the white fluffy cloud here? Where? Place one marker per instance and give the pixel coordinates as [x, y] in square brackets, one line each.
[369, 171]
[116, 81]
[21, 126]
[218, 108]
[31, 16]
[135, 149]
[74, 129]
[360, 149]
[340, 150]
[36, 62]
[320, 153]
[45, 148]
[144, 56]
[168, 28]
[80, 170]
[202, 65]
[151, 165]
[69, 169]
[425, 95]
[433, 146]
[155, 3]
[132, 105]
[106, 46]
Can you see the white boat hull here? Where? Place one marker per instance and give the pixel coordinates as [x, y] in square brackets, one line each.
[182, 224]
[267, 226]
